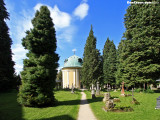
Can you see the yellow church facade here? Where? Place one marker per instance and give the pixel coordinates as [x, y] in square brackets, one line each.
[71, 72]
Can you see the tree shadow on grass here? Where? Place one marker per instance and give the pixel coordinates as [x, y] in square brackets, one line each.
[77, 102]
[62, 117]
[9, 108]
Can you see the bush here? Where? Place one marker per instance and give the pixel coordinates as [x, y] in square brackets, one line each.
[148, 91]
[138, 90]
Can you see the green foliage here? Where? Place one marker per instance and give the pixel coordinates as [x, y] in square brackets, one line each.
[138, 90]
[39, 72]
[109, 62]
[139, 51]
[92, 62]
[148, 91]
[6, 63]
[59, 75]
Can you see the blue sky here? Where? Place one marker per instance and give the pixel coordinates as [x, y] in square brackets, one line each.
[72, 19]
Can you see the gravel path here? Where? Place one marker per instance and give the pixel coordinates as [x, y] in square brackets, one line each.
[85, 112]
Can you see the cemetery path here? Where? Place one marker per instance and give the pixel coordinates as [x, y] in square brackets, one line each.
[85, 112]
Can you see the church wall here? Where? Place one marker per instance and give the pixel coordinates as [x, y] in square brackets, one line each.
[71, 74]
[70, 79]
[65, 79]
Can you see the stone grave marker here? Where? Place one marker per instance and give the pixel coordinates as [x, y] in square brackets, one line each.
[109, 104]
[93, 92]
[106, 97]
[72, 91]
[97, 90]
[158, 103]
[122, 91]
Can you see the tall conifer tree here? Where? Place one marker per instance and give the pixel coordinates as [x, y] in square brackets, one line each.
[142, 38]
[6, 63]
[39, 74]
[92, 62]
[109, 62]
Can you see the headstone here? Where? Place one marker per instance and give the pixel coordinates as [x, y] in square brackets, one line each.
[158, 103]
[97, 90]
[72, 91]
[93, 92]
[109, 104]
[132, 94]
[106, 97]
[115, 90]
[109, 88]
[122, 91]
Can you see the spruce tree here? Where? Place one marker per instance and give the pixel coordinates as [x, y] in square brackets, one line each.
[109, 62]
[92, 62]
[142, 38]
[6, 63]
[39, 71]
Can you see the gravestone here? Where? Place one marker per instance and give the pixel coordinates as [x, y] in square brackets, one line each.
[93, 92]
[97, 90]
[109, 88]
[122, 91]
[132, 94]
[106, 97]
[109, 104]
[72, 91]
[115, 90]
[158, 103]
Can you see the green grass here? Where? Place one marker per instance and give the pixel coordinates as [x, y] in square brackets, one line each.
[144, 111]
[66, 108]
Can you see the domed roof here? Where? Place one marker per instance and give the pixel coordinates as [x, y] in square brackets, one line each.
[73, 61]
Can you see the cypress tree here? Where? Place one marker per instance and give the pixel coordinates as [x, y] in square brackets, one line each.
[6, 63]
[142, 38]
[92, 62]
[109, 62]
[39, 71]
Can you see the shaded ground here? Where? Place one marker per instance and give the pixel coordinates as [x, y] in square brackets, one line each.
[67, 108]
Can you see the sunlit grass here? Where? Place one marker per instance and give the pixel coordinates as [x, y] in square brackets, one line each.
[144, 111]
[66, 109]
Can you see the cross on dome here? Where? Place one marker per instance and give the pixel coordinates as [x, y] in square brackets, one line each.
[74, 50]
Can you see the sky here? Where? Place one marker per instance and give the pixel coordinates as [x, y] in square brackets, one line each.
[72, 20]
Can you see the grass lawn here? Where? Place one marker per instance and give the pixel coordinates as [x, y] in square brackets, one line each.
[144, 111]
[66, 109]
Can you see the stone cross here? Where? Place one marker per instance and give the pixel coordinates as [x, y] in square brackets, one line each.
[74, 50]
[132, 94]
[72, 89]
[97, 90]
[93, 92]
[122, 91]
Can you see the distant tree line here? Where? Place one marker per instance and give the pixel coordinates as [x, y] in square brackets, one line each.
[137, 59]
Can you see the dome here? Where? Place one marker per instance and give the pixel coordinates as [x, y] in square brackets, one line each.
[73, 61]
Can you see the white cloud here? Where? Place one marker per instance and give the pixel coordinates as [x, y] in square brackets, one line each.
[21, 22]
[66, 34]
[74, 49]
[19, 53]
[60, 19]
[81, 11]
[18, 68]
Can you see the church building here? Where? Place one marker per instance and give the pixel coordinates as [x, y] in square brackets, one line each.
[71, 72]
